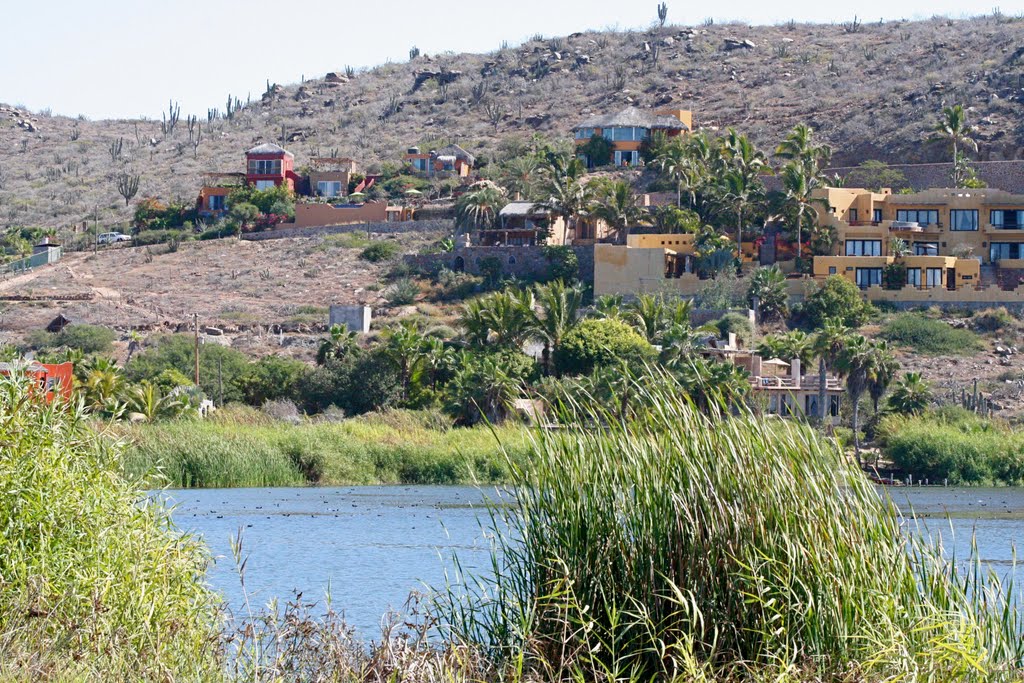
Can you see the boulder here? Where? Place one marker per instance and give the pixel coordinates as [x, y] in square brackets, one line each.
[738, 44]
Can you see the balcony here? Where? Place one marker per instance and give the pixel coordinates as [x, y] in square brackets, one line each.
[807, 383]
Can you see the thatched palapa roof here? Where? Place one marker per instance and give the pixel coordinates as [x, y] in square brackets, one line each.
[631, 117]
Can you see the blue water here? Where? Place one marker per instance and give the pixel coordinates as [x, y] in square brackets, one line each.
[372, 546]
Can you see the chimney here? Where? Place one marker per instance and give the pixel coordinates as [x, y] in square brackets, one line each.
[794, 369]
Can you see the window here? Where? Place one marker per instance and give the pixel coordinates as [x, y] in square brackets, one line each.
[831, 270]
[998, 251]
[419, 164]
[868, 276]
[963, 219]
[265, 184]
[264, 167]
[933, 277]
[851, 216]
[926, 248]
[328, 188]
[811, 405]
[920, 216]
[833, 405]
[914, 277]
[863, 247]
[216, 202]
[625, 134]
[876, 216]
[1006, 220]
[584, 133]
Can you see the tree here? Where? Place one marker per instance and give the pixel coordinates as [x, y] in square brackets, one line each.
[596, 342]
[647, 315]
[911, 395]
[557, 313]
[837, 298]
[676, 165]
[128, 185]
[145, 402]
[598, 150]
[799, 146]
[875, 175]
[485, 385]
[828, 345]
[952, 129]
[563, 263]
[340, 343]
[857, 361]
[787, 346]
[406, 347]
[883, 371]
[519, 176]
[499, 319]
[800, 180]
[479, 208]
[567, 196]
[220, 368]
[272, 378]
[768, 290]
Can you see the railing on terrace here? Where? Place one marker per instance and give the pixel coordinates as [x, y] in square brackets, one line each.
[806, 382]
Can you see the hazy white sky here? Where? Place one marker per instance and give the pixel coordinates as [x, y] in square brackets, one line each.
[124, 58]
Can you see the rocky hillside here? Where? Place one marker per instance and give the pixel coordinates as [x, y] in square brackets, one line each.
[871, 90]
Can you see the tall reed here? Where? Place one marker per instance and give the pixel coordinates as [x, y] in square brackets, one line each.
[676, 544]
[94, 582]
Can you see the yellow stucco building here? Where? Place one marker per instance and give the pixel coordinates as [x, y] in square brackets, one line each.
[956, 238]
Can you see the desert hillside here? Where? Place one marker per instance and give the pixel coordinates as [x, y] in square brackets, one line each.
[870, 89]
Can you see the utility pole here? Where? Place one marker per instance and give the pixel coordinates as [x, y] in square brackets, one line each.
[195, 324]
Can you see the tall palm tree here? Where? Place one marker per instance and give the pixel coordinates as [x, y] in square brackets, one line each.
[616, 205]
[647, 314]
[677, 166]
[566, 195]
[800, 180]
[787, 346]
[740, 191]
[799, 145]
[556, 314]
[856, 362]
[828, 344]
[405, 346]
[501, 318]
[519, 176]
[952, 128]
[883, 372]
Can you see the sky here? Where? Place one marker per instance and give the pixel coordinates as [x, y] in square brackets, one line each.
[128, 58]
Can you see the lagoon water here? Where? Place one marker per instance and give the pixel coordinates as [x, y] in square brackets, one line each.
[371, 546]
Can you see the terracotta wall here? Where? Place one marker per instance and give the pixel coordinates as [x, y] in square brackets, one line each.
[308, 215]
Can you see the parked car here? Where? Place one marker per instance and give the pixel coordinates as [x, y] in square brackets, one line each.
[112, 237]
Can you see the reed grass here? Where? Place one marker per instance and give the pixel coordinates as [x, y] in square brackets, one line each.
[675, 545]
[94, 582]
[371, 450]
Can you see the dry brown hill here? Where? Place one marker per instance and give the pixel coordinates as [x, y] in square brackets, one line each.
[870, 89]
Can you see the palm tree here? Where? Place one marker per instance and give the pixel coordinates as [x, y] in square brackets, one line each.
[952, 128]
[676, 165]
[911, 395]
[608, 306]
[740, 191]
[145, 403]
[768, 288]
[616, 205]
[787, 346]
[799, 145]
[519, 176]
[339, 344]
[647, 314]
[478, 209]
[558, 311]
[828, 344]
[405, 346]
[800, 180]
[501, 318]
[857, 361]
[883, 372]
[567, 196]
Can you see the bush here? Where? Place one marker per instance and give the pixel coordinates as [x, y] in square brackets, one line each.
[271, 378]
[926, 335]
[220, 367]
[562, 263]
[402, 292]
[96, 582]
[380, 251]
[601, 341]
[84, 338]
[836, 298]
[738, 324]
[993, 320]
[149, 237]
[954, 445]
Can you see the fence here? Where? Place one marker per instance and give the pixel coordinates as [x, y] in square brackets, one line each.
[51, 255]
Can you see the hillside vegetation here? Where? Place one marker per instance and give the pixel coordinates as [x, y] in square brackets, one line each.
[868, 89]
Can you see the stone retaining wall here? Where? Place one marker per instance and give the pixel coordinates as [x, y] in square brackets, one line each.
[521, 262]
[390, 228]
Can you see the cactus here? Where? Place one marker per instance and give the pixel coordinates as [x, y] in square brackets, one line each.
[170, 119]
[116, 148]
[414, 52]
[128, 185]
[662, 13]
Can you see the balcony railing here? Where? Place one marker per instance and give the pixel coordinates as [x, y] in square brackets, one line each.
[807, 382]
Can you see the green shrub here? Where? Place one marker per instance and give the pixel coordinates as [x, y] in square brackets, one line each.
[562, 263]
[97, 584]
[221, 369]
[600, 341]
[926, 335]
[150, 237]
[836, 298]
[738, 324]
[82, 337]
[401, 292]
[271, 378]
[380, 251]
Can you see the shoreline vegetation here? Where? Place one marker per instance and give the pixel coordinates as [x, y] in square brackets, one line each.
[668, 544]
[242, 447]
